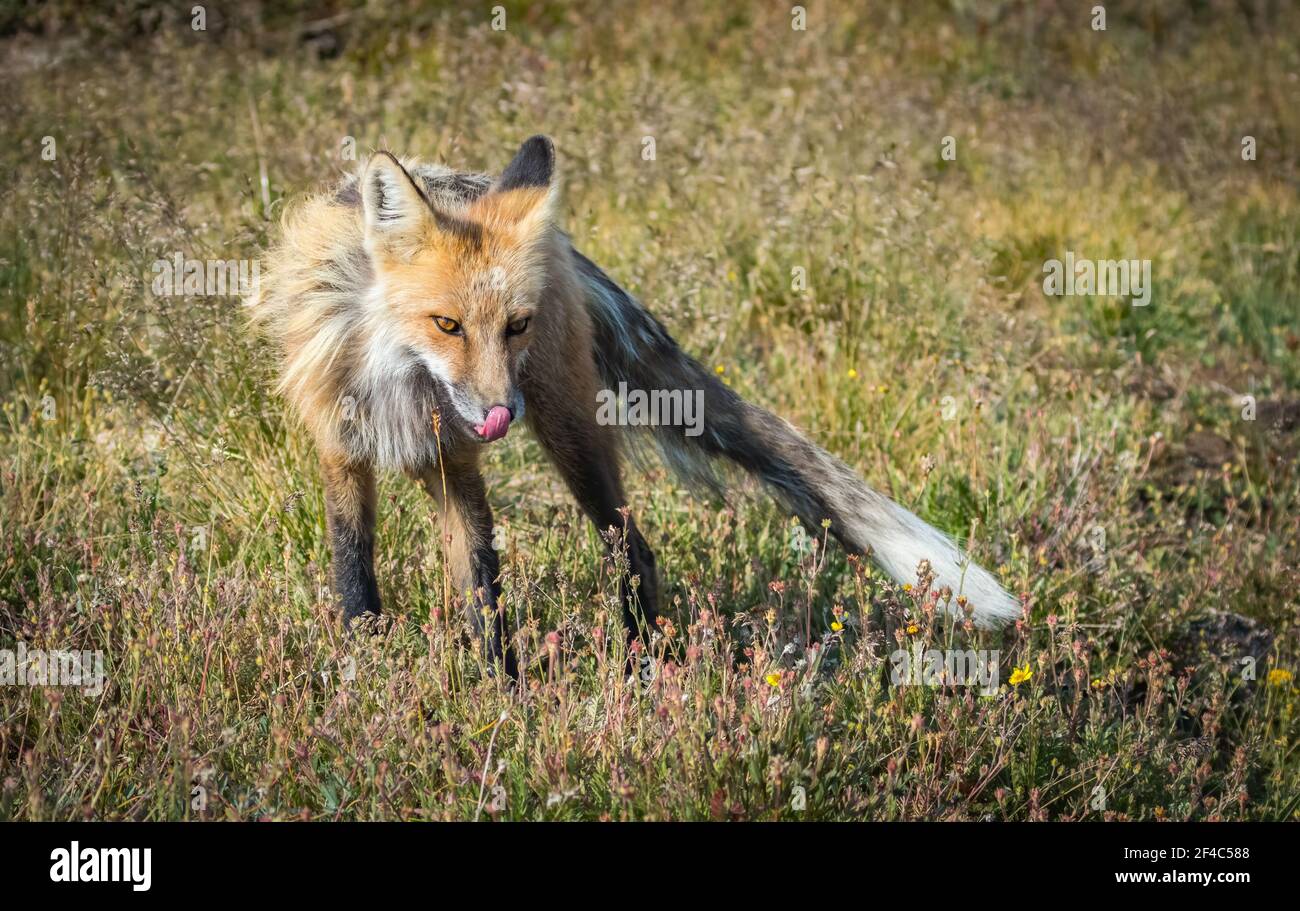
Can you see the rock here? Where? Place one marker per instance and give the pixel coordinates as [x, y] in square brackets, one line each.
[1227, 636]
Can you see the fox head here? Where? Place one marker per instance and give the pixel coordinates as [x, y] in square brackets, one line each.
[459, 290]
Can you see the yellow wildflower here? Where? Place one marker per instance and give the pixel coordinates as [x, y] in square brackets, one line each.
[1020, 674]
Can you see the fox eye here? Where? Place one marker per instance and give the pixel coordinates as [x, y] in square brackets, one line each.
[517, 327]
[447, 325]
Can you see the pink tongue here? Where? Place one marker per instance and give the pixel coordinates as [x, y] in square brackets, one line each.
[496, 425]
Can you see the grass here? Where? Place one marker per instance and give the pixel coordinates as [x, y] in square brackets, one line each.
[157, 503]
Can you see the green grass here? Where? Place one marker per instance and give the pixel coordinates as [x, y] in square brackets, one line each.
[159, 504]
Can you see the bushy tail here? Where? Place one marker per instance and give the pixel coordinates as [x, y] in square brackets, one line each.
[633, 347]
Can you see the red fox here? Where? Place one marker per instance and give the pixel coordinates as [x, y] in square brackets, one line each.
[411, 291]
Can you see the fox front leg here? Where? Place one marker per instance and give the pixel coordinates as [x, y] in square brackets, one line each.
[562, 413]
[475, 568]
[350, 515]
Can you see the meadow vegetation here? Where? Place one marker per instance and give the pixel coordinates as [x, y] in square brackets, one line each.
[158, 503]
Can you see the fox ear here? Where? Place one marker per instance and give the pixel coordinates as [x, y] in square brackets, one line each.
[532, 166]
[397, 214]
[524, 197]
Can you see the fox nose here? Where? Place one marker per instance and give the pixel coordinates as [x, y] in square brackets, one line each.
[496, 423]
